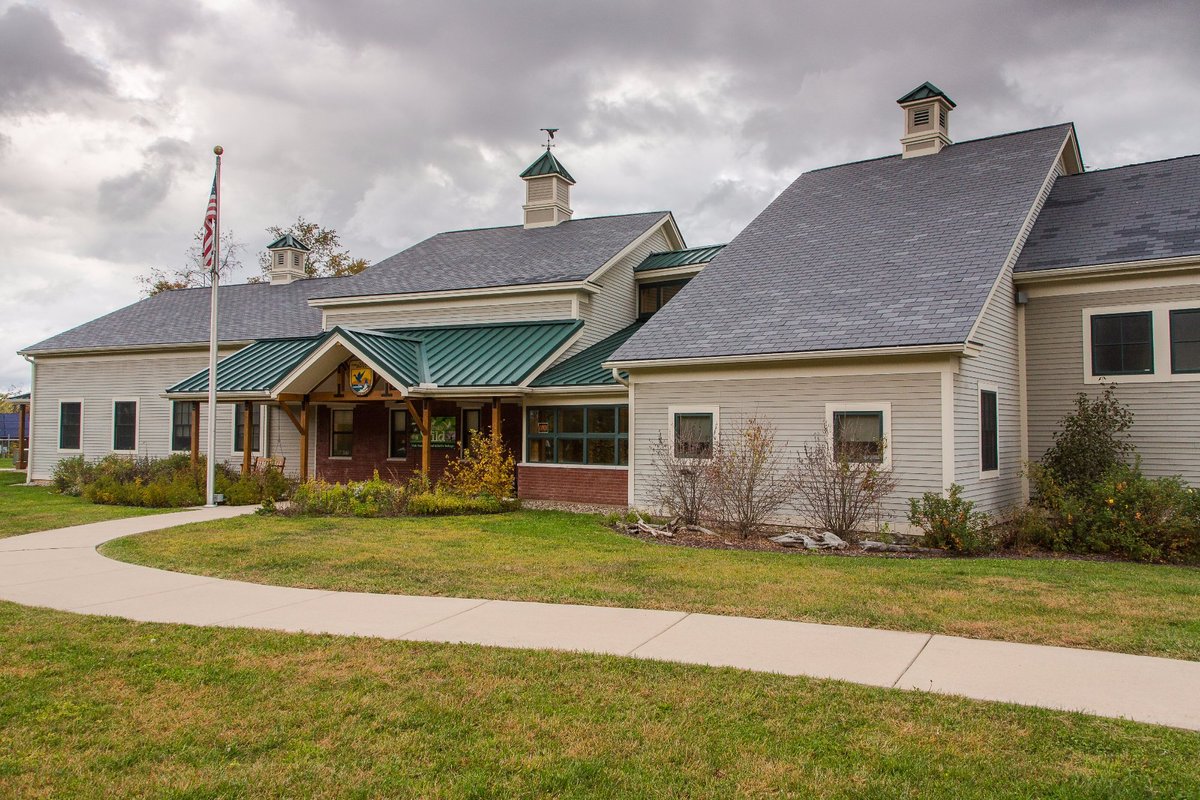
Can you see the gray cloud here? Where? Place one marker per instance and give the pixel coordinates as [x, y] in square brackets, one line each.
[394, 121]
[37, 64]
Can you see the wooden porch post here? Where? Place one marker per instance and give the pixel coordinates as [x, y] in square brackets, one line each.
[247, 431]
[304, 439]
[22, 416]
[426, 444]
[496, 417]
[195, 442]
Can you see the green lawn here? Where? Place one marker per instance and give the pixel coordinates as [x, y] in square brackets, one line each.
[100, 707]
[34, 508]
[6, 463]
[567, 558]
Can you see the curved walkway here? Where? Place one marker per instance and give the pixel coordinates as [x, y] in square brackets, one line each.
[61, 569]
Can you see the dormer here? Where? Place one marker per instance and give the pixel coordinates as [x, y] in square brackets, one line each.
[287, 254]
[547, 192]
[926, 121]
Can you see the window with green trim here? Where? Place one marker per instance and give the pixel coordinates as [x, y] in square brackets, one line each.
[597, 435]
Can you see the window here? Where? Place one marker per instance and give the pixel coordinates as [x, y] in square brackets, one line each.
[125, 426]
[70, 425]
[654, 296]
[398, 434]
[694, 434]
[181, 426]
[341, 436]
[858, 436]
[989, 435]
[239, 423]
[1122, 344]
[1185, 340]
[578, 435]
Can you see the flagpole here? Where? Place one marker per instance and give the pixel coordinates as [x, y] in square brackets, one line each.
[210, 456]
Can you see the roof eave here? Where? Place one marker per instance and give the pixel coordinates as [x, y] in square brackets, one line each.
[949, 349]
[1114, 269]
[572, 285]
[130, 348]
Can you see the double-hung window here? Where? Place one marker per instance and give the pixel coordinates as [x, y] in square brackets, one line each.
[1185, 340]
[398, 433]
[989, 431]
[181, 426]
[70, 425]
[124, 426]
[341, 436]
[586, 435]
[1123, 344]
[239, 426]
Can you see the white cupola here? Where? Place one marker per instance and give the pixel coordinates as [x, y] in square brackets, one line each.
[547, 191]
[926, 121]
[287, 255]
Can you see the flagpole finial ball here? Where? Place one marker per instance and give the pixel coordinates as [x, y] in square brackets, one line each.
[218, 150]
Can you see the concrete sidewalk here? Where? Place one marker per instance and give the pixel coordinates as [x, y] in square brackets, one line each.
[61, 569]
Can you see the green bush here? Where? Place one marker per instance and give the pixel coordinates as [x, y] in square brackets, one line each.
[951, 523]
[1091, 440]
[430, 504]
[169, 482]
[70, 475]
[373, 498]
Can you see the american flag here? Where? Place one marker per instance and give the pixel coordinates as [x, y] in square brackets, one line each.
[208, 242]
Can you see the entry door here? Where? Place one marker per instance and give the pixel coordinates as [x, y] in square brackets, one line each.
[472, 422]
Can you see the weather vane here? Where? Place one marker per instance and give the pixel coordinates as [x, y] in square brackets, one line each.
[549, 136]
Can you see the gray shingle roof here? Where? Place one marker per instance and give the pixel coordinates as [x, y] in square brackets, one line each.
[509, 256]
[1109, 216]
[247, 311]
[878, 253]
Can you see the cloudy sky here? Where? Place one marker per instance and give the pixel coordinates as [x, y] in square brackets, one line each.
[391, 121]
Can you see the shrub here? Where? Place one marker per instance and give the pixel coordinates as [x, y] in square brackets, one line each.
[1090, 441]
[444, 503]
[839, 494]
[169, 482]
[486, 468]
[681, 486]
[749, 480]
[951, 523]
[373, 498]
[70, 475]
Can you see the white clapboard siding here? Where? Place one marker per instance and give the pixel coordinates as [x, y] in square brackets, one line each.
[1166, 426]
[795, 405]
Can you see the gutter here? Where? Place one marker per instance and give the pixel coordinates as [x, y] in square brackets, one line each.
[968, 349]
[1178, 263]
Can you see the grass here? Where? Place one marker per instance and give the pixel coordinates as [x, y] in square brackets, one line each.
[6, 462]
[102, 707]
[568, 558]
[33, 508]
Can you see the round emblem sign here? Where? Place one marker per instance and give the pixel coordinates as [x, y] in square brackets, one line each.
[362, 379]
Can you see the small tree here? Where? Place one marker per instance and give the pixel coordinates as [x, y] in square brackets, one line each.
[192, 273]
[679, 484]
[749, 477]
[326, 257]
[840, 491]
[487, 467]
[1090, 441]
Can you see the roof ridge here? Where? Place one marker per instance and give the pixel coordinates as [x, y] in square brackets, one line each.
[567, 222]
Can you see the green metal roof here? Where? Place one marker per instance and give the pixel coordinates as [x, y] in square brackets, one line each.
[501, 354]
[287, 240]
[679, 258]
[925, 91]
[546, 164]
[19, 398]
[585, 367]
[255, 368]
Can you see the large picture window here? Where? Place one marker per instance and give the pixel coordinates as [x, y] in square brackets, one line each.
[858, 436]
[70, 425]
[989, 431]
[181, 426]
[125, 426]
[239, 426]
[341, 435]
[1122, 344]
[398, 434]
[1185, 340]
[578, 435]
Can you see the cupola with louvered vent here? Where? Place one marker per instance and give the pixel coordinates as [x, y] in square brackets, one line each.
[547, 191]
[926, 121]
[287, 254]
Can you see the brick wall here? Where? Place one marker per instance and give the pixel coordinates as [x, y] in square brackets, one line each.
[573, 484]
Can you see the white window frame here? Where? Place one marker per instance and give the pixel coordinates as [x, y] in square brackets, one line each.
[58, 430]
[137, 421]
[1160, 322]
[334, 410]
[672, 411]
[171, 424]
[238, 408]
[984, 386]
[884, 407]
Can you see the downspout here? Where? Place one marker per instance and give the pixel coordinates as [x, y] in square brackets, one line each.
[29, 417]
[616, 373]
